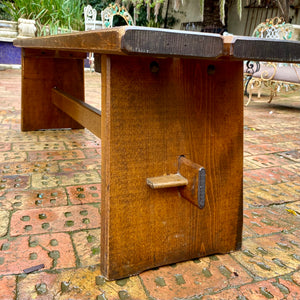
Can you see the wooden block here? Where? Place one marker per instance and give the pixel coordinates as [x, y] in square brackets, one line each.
[167, 181]
[187, 107]
[194, 191]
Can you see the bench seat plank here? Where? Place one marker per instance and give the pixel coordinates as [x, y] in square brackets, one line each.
[133, 40]
[257, 49]
[128, 40]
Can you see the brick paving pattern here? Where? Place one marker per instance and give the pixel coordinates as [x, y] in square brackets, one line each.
[50, 194]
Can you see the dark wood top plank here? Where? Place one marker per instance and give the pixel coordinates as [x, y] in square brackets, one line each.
[133, 40]
[144, 40]
[249, 48]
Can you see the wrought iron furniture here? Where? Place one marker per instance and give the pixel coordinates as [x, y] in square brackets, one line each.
[171, 126]
[272, 75]
[90, 15]
[108, 14]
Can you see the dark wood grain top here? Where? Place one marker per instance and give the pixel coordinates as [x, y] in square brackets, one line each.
[172, 42]
[133, 40]
[258, 49]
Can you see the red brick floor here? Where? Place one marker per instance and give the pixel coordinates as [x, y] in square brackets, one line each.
[50, 197]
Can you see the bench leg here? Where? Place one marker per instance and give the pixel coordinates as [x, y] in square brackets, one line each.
[153, 111]
[41, 71]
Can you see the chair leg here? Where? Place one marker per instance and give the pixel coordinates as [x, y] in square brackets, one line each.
[259, 92]
[249, 97]
[272, 94]
[251, 83]
[271, 97]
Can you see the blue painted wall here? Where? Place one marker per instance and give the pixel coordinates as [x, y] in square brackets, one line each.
[9, 54]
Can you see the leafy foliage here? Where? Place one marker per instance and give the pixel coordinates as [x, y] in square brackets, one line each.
[3, 14]
[51, 14]
[68, 14]
[149, 13]
[99, 5]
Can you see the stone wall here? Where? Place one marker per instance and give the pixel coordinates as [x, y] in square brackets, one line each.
[8, 30]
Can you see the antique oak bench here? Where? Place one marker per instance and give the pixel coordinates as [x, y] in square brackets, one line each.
[171, 126]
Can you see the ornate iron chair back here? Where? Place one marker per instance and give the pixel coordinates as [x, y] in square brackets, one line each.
[90, 15]
[274, 28]
[112, 10]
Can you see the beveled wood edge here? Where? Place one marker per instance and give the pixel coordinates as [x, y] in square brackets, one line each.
[260, 49]
[134, 40]
[131, 40]
[169, 42]
[106, 41]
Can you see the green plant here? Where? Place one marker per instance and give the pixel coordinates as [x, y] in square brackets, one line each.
[3, 14]
[149, 12]
[48, 14]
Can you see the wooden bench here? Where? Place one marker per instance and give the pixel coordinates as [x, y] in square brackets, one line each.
[171, 126]
[272, 75]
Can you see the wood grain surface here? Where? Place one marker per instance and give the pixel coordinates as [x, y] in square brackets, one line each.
[40, 73]
[190, 108]
[149, 41]
[132, 40]
[157, 106]
[83, 113]
[194, 191]
[167, 181]
[129, 40]
[107, 40]
[248, 48]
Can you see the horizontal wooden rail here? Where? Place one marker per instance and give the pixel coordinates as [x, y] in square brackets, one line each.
[80, 111]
